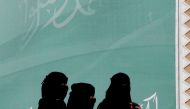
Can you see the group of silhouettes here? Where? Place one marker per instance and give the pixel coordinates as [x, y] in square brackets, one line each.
[54, 89]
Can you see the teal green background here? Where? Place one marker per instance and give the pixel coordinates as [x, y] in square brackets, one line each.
[132, 36]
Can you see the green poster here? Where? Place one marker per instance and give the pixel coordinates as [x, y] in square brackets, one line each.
[90, 41]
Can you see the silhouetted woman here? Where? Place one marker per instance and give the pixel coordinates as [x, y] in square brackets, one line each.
[54, 89]
[81, 96]
[118, 94]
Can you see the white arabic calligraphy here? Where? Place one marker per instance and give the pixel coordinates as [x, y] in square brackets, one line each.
[153, 98]
[78, 7]
[33, 15]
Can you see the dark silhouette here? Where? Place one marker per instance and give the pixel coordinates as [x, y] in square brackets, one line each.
[81, 96]
[118, 94]
[54, 89]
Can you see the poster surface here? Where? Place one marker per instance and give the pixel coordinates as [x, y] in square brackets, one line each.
[88, 40]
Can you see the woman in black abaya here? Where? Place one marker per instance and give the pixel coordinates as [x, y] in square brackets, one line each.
[118, 94]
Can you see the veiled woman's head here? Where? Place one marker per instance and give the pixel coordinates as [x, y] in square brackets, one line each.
[54, 86]
[119, 87]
